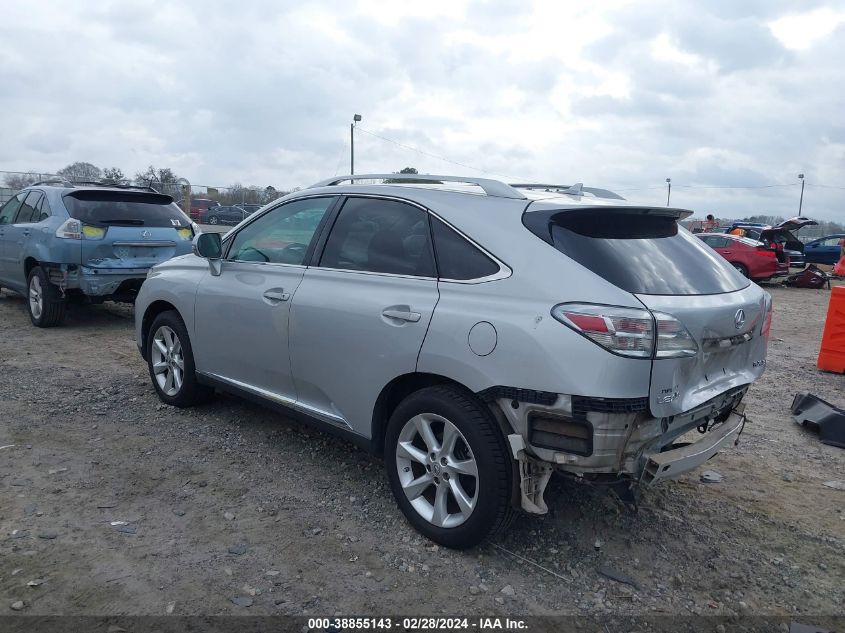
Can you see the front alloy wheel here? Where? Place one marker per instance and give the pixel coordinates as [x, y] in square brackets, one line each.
[170, 359]
[167, 361]
[437, 470]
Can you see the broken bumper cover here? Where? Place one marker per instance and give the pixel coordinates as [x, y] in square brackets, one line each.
[672, 463]
[99, 282]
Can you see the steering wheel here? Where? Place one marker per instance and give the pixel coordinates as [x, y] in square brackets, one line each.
[245, 254]
[293, 253]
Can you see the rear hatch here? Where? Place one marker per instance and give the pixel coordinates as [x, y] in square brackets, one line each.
[643, 251]
[128, 229]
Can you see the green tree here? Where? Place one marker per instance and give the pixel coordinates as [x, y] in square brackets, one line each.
[113, 175]
[406, 170]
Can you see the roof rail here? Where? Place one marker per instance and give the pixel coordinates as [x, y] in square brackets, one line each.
[53, 181]
[494, 188]
[118, 185]
[573, 190]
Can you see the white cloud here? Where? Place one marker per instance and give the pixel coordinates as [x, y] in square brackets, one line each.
[802, 30]
[616, 93]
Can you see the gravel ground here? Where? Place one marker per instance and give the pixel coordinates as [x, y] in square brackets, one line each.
[230, 508]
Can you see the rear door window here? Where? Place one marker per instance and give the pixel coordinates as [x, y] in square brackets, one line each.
[44, 210]
[28, 209]
[456, 257]
[640, 253]
[718, 242]
[125, 208]
[380, 236]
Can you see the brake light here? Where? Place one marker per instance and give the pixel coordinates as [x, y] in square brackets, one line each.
[73, 229]
[628, 331]
[762, 250]
[767, 322]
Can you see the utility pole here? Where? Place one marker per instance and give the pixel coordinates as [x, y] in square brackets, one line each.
[801, 199]
[668, 190]
[355, 119]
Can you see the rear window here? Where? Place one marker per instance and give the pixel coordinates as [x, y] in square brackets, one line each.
[124, 208]
[643, 254]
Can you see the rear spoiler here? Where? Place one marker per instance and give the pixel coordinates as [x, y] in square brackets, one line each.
[598, 209]
[120, 195]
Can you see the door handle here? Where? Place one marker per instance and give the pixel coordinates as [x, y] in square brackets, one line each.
[276, 295]
[402, 315]
[26, 232]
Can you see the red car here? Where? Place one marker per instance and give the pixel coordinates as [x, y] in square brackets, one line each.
[753, 259]
[200, 206]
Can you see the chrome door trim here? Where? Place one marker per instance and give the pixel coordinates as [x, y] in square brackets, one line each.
[323, 415]
[258, 391]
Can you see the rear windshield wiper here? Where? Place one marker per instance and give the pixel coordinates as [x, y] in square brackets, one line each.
[123, 222]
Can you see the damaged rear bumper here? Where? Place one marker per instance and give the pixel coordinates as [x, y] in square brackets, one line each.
[672, 463]
[614, 441]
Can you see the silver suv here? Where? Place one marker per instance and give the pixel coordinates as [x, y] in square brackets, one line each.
[477, 335]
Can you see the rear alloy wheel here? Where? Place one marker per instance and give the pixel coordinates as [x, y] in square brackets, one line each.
[171, 362]
[44, 300]
[448, 466]
[741, 269]
[213, 219]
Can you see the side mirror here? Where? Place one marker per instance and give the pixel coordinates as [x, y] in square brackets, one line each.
[208, 246]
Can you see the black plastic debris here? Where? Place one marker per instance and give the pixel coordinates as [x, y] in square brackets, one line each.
[821, 416]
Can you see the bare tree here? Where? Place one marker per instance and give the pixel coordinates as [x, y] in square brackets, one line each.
[79, 171]
[21, 180]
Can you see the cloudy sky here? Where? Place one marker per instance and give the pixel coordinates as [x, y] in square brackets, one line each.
[716, 94]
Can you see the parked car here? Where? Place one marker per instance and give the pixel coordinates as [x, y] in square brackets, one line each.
[222, 215]
[98, 242]
[201, 205]
[780, 234]
[751, 258]
[825, 250]
[477, 337]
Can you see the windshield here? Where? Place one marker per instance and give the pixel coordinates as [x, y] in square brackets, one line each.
[125, 208]
[643, 254]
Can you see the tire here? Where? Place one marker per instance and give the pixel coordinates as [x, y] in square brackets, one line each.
[45, 303]
[438, 482]
[170, 360]
[741, 269]
[212, 219]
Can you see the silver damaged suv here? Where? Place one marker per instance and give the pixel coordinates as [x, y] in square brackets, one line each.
[479, 336]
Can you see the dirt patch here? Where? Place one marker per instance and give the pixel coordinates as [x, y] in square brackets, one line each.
[121, 505]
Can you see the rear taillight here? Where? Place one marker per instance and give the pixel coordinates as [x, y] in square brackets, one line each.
[673, 339]
[764, 250]
[767, 322]
[73, 229]
[628, 331]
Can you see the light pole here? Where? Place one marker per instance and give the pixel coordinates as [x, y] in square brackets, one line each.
[668, 190]
[801, 199]
[355, 119]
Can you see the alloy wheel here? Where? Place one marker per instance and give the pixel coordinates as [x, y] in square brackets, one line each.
[36, 297]
[167, 360]
[437, 470]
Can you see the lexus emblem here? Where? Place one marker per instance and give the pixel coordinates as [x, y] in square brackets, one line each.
[739, 318]
[147, 235]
